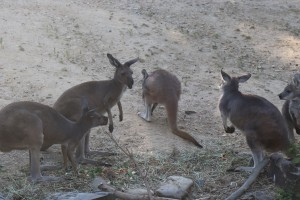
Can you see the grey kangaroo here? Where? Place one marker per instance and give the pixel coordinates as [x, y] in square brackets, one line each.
[102, 95]
[259, 120]
[291, 107]
[29, 125]
[162, 87]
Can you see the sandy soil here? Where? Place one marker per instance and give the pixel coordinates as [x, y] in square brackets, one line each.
[47, 46]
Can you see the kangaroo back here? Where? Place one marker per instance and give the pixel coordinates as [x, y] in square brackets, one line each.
[162, 87]
[102, 95]
[260, 121]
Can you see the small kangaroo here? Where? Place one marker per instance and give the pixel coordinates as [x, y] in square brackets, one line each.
[29, 125]
[259, 120]
[291, 107]
[102, 95]
[162, 87]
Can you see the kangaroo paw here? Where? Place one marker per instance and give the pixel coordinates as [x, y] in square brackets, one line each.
[230, 129]
[297, 130]
[111, 128]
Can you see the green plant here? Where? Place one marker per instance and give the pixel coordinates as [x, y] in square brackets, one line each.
[290, 193]
[294, 153]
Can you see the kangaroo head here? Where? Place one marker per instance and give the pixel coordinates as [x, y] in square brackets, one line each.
[91, 115]
[232, 83]
[292, 90]
[123, 72]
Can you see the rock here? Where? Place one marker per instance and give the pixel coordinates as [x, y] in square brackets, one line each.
[175, 187]
[81, 196]
[95, 183]
[2, 197]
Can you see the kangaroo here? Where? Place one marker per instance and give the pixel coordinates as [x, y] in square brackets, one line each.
[162, 87]
[291, 107]
[259, 120]
[29, 125]
[102, 95]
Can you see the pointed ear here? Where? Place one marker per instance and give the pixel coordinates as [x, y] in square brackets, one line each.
[113, 61]
[130, 62]
[145, 74]
[243, 78]
[84, 104]
[225, 76]
[296, 80]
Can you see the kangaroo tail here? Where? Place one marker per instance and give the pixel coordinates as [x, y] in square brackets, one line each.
[186, 136]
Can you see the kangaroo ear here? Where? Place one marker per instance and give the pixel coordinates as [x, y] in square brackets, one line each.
[113, 61]
[145, 74]
[130, 62]
[225, 76]
[84, 104]
[244, 78]
[296, 80]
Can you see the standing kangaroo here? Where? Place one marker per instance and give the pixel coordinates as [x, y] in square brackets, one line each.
[259, 120]
[102, 95]
[29, 125]
[164, 88]
[291, 107]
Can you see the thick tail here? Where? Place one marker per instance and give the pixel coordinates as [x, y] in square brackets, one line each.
[171, 107]
[186, 136]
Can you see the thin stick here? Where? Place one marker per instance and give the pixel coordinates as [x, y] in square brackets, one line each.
[127, 196]
[130, 155]
[249, 181]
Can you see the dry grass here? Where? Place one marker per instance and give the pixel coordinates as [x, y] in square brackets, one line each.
[207, 168]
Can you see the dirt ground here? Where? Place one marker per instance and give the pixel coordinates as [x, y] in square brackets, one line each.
[48, 46]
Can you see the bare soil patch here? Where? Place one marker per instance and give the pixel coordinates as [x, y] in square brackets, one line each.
[48, 46]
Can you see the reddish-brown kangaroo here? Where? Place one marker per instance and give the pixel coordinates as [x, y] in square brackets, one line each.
[259, 120]
[30, 125]
[102, 95]
[162, 87]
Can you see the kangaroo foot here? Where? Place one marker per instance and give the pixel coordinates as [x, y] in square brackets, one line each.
[245, 169]
[101, 153]
[85, 161]
[50, 167]
[144, 116]
[46, 179]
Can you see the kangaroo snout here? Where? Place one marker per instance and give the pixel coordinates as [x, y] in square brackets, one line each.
[130, 83]
[281, 96]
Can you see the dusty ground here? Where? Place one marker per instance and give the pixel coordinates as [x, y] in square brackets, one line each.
[47, 46]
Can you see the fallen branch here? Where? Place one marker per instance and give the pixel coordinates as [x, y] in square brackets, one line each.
[130, 155]
[249, 181]
[128, 196]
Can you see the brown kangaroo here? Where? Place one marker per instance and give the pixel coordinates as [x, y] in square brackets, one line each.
[291, 107]
[162, 87]
[102, 95]
[29, 125]
[259, 120]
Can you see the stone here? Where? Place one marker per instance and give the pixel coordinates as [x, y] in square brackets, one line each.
[96, 182]
[81, 196]
[2, 197]
[176, 187]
